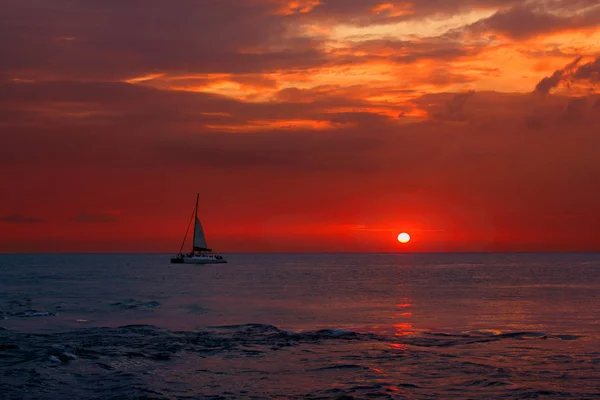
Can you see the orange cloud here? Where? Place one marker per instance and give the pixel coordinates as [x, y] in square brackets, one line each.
[297, 6]
[258, 125]
[393, 10]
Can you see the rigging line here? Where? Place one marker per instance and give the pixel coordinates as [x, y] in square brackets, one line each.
[186, 232]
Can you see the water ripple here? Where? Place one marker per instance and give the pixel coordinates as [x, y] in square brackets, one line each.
[143, 361]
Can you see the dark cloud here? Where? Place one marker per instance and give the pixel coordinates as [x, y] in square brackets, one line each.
[488, 159]
[589, 72]
[362, 144]
[142, 127]
[441, 48]
[568, 113]
[455, 107]
[576, 109]
[136, 125]
[522, 22]
[322, 95]
[111, 96]
[483, 110]
[113, 40]
[571, 74]
[533, 18]
[116, 40]
[361, 12]
[550, 82]
[452, 109]
[362, 119]
[97, 217]
[70, 40]
[17, 218]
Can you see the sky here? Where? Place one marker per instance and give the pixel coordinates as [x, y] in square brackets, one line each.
[306, 125]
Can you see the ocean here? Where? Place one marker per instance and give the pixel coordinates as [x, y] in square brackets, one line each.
[300, 326]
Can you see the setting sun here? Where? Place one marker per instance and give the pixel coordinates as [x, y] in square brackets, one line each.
[404, 237]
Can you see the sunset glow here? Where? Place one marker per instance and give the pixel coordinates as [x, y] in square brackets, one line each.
[303, 124]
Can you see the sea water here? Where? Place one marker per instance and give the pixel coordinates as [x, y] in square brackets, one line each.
[316, 326]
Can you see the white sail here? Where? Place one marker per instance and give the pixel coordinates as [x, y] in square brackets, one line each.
[199, 240]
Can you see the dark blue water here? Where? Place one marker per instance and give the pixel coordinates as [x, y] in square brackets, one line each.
[413, 326]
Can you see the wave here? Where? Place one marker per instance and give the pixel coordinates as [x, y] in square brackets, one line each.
[428, 339]
[263, 361]
[25, 314]
[129, 304]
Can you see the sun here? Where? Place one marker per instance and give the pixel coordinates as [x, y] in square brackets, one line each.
[404, 237]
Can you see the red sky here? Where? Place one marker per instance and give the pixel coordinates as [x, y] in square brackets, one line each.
[307, 125]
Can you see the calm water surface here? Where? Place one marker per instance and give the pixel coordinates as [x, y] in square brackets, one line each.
[414, 326]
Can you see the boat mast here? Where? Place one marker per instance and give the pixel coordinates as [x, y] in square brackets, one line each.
[186, 233]
[195, 219]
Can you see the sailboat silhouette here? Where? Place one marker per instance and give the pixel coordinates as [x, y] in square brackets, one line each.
[200, 253]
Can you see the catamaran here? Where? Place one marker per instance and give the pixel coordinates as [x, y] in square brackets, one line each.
[200, 253]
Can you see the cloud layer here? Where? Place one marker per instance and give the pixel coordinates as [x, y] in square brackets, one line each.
[469, 123]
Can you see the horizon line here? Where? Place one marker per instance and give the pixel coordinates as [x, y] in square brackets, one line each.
[318, 252]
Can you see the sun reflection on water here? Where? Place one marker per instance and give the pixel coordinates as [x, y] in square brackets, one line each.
[403, 325]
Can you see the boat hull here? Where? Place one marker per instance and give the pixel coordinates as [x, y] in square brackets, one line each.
[197, 260]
